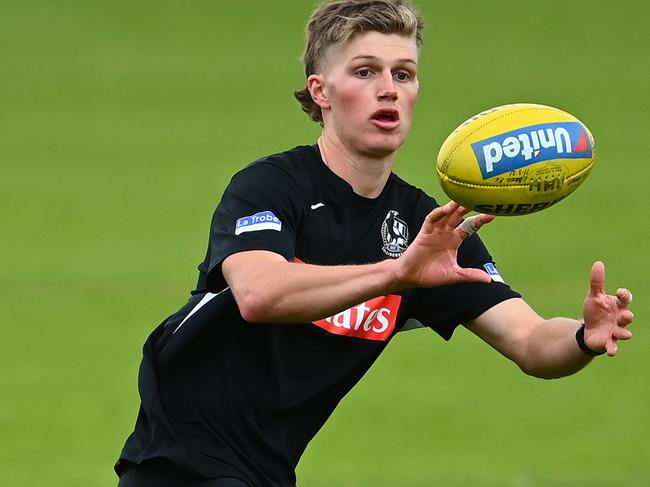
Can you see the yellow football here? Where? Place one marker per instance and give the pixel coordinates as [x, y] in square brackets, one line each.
[515, 159]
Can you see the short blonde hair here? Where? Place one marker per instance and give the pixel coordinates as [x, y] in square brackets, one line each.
[338, 21]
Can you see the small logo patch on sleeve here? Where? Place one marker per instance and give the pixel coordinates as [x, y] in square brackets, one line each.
[264, 220]
[491, 269]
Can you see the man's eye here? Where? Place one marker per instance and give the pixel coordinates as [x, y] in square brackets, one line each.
[402, 76]
[364, 73]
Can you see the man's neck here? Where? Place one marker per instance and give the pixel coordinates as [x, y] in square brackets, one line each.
[366, 175]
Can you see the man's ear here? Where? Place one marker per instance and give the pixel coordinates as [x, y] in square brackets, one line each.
[316, 87]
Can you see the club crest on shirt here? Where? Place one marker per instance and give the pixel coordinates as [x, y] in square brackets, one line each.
[394, 234]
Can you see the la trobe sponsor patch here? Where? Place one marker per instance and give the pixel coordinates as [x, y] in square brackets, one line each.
[263, 220]
[394, 234]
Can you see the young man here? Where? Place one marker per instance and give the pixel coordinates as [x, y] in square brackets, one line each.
[317, 257]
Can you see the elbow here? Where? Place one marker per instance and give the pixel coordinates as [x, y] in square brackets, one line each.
[528, 364]
[253, 306]
[534, 364]
[541, 374]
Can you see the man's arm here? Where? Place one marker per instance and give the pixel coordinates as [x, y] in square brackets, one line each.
[548, 348]
[269, 289]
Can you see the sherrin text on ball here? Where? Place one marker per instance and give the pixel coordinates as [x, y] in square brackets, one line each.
[515, 159]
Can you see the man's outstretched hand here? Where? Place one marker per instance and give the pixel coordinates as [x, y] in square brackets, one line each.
[606, 317]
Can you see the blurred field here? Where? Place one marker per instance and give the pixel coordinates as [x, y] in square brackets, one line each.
[120, 124]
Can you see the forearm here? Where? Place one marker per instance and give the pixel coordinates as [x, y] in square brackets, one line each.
[542, 348]
[551, 350]
[279, 291]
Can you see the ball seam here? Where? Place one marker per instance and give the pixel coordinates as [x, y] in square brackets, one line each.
[467, 184]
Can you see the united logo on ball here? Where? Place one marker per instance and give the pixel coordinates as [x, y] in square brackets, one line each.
[515, 159]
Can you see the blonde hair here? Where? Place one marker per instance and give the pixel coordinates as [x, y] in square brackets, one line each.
[338, 21]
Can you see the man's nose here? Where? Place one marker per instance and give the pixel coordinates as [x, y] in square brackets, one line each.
[386, 89]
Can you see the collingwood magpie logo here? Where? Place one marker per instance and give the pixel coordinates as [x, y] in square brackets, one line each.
[395, 235]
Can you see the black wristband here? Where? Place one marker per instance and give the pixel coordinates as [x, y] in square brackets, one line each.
[580, 338]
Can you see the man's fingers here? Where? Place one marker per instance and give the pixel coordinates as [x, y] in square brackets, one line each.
[474, 275]
[442, 211]
[457, 216]
[625, 318]
[450, 214]
[622, 333]
[472, 224]
[611, 347]
[597, 279]
[623, 297]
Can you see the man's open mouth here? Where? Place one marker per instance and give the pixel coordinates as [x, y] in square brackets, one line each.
[385, 118]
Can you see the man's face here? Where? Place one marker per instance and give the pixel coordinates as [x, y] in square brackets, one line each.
[371, 86]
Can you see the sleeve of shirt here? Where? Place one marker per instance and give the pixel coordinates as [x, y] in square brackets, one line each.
[260, 210]
[444, 308]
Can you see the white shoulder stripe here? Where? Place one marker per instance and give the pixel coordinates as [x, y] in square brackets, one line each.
[206, 299]
[411, 324]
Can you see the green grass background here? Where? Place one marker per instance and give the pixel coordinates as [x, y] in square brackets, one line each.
[120, 124]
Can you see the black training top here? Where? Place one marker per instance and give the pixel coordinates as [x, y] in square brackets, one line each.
[224, 397]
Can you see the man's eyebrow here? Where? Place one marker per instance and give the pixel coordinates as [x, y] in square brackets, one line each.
[365, 57]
